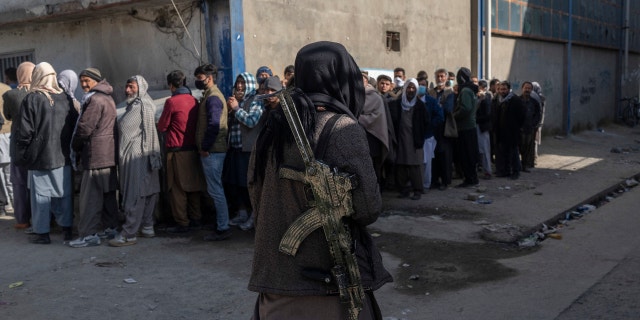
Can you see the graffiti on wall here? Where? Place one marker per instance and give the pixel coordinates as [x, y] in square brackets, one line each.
[588, 90]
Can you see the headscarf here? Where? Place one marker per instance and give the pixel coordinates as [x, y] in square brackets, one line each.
[251, 84]
[464, 80]
[536, 87]
[44, 81]
[330, 77]
[68, 80]
[141, 110]
[406, 104]
[326, 75]
[24, 72]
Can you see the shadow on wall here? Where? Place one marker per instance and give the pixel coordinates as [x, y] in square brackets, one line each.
[541, 31]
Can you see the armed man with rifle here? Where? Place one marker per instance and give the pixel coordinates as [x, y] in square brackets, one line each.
[313, 189]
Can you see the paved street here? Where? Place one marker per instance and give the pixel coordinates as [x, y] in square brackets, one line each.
[436, 249]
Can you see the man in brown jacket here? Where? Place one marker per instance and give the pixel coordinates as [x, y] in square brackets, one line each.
[94, 143]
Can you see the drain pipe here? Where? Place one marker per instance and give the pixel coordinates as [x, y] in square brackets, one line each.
[626, 38]
[487, 39]
[569, 67]
[480, 39]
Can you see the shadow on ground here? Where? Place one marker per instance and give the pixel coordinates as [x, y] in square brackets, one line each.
[432, 266]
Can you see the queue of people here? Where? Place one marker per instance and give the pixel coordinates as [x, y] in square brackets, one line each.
[419, 137]
[460, 129]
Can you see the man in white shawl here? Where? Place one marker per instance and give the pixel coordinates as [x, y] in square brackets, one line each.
[139, 162]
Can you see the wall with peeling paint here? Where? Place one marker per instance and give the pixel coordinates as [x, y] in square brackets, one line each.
[120, 45]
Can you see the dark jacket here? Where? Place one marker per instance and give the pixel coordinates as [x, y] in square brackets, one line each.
[419, 124]
[12, 102]
[532, 114]
[483, 112]
[95, 136]
[509, 119]
[43, 132]
[465, 110]
[277, 202]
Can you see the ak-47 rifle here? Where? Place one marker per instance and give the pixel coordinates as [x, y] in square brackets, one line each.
[332, 202]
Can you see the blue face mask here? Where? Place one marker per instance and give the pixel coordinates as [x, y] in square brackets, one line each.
[422, 90]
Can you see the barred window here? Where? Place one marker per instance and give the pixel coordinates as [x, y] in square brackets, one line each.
[14, 59]
[393, 41]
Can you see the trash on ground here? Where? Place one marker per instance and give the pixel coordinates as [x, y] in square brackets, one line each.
[473, 196]
[406, 265]
[537, 193]
[484, 201]
[528, 242]
[16, 284]
[130, 280]
[631, 182]
[414, 277]
[556, 236]
[375, 235]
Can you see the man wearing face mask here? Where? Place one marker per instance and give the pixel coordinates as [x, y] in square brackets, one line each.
[410, 120]
[211, 139]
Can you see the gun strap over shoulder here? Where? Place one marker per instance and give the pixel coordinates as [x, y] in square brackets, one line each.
[323, 142]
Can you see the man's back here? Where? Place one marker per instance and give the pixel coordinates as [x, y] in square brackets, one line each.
[179, 119]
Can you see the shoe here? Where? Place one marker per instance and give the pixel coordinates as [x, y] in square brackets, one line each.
[524, 169]
[486, 176]
[195, 225]
[40, 238]
[218, 235]
[87, 241]
[515, 176]
[29, 230]
[502, 175]
[415, 196]
[467, 185]
[68, 233]
[122, 241]
[21, 225]
[241, 217]
[178, 229]
[147, 232]
[247, 225]
[403, 195]
[108, 233]
[8, 209]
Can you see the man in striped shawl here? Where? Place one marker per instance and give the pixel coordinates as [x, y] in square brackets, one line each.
[139, 162]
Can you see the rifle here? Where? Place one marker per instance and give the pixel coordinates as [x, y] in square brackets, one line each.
[332, 201]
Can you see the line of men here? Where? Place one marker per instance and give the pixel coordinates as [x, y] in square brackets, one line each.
[458, 127]
[207, 144]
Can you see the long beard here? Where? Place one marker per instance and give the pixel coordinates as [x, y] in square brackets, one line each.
[130, 100]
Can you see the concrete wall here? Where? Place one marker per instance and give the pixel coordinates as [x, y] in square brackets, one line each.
[120, 45]
[594, 79]
[433, 33]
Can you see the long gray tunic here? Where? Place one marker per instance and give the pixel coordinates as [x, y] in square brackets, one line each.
[139, 149]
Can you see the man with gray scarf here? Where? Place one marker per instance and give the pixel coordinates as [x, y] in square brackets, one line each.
[139, 162]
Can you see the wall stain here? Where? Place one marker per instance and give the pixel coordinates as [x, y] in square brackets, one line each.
[587, 91]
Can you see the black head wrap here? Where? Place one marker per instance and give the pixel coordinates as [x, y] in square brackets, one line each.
[464, 80]
[330, 77]
[326, 75]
